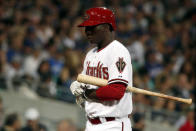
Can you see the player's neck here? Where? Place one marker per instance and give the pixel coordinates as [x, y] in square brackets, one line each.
[106, 42]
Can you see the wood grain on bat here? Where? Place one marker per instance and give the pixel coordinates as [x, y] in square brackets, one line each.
[102, 82]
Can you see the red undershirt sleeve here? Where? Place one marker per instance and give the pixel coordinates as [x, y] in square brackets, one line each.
[113, 91]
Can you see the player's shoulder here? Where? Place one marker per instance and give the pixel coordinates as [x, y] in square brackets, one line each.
[118, 47]
[91, 51]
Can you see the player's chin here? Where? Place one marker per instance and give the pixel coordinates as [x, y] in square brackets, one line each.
[91, 41]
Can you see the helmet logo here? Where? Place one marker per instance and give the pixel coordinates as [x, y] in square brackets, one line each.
[86, 17]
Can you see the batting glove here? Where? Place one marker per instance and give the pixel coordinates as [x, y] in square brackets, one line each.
[80, 100]
[76, 88]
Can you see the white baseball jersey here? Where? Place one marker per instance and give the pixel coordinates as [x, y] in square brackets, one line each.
[114, 64]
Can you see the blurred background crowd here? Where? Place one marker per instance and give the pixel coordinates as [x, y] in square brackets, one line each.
[42, 50]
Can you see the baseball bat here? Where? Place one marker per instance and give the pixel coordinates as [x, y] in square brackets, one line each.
[102, 82]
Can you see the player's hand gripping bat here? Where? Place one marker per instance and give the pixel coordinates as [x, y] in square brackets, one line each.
[102, 82]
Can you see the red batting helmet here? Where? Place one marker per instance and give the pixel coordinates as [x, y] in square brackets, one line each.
[99, 15]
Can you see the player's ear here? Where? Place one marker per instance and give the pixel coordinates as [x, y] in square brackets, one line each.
[110, 28]
[107, 27]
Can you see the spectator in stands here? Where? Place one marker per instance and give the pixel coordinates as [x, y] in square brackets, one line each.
[30, 39]
[137, 50]
[138, 120]
[171, 116]
[44, 71]
[66, 125]
[1, 112]
[44, 31]
[3, 70]
[153, 66]
[63, 83]
[16, 47]
[189, 123]
[146, 82]
[12, 123]
[46, 87]
[32, 62]
[3, 41]
[32, 116]
[184, 86]
[163, 84]
[14, 73]
[56, 62]
[157, 113]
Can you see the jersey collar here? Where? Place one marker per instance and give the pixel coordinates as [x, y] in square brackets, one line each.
[98, 50]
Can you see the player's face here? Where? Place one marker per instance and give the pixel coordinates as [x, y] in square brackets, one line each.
[95, 34]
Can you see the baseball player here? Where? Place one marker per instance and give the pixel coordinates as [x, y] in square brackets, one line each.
[107, 108]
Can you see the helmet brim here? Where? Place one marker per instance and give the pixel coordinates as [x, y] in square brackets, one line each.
[89, 23]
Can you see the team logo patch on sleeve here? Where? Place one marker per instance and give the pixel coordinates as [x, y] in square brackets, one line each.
[120, 64]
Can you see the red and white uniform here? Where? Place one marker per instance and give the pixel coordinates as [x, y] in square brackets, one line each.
[114, 64]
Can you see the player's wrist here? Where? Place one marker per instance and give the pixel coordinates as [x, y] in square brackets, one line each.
[90, 94]
[80, 101]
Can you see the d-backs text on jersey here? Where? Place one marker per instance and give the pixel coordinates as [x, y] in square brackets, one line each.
[97, 71]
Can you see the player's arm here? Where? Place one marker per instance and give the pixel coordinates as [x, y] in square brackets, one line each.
[114, 91]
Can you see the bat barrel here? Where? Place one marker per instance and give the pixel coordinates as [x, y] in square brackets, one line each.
[141, 91]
